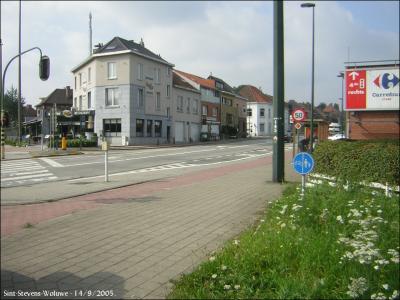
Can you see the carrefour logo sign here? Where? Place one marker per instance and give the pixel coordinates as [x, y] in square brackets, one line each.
[386, 81]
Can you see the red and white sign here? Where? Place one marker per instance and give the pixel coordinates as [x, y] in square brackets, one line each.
[299, 115]
[372, 89]
[297, 126]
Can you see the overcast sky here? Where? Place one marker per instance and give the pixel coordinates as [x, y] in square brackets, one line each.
[231, 40]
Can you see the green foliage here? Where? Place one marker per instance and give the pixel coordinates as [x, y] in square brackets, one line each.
[11, 104]
[15, 143]
[355, 161]
[229, 130]
[296, 251]
[85, 143]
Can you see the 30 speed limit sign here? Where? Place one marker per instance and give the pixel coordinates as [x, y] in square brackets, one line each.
[299, 115]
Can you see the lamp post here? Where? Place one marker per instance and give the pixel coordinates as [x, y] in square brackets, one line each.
[312, 5]
[341, 74]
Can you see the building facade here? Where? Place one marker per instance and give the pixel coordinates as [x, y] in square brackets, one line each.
[129, 88]
[186, 111]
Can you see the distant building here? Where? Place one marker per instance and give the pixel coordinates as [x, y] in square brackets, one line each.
[372, 100]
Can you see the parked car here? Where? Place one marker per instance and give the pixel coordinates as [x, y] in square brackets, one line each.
[337, 137]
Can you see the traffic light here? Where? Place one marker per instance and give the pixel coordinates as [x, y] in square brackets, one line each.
[44, 67]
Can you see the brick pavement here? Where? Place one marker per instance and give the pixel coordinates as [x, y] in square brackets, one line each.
[137, 238]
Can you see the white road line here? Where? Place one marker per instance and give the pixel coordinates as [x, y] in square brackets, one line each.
[14, 170]
[26, 177]
[51, 162]
[29, 173]
[18, 163]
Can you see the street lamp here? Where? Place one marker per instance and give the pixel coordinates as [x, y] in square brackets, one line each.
[306, 5]
[341, 74]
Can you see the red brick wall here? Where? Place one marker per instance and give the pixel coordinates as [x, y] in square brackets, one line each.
[210, 107]
[365, 125]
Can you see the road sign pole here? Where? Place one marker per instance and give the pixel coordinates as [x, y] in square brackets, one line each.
[303, 185]
[106, 166]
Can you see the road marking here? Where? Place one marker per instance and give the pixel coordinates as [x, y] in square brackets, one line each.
[29, 173]
[51, 162]
[24, 177]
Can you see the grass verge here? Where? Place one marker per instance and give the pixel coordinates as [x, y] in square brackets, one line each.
[334, 243]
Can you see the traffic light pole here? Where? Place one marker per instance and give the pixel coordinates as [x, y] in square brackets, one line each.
[44, 72]
[278, 99]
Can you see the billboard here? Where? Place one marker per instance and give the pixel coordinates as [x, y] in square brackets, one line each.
[372, 89]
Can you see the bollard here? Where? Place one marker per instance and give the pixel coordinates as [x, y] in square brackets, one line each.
[64, 143]
[104, 147]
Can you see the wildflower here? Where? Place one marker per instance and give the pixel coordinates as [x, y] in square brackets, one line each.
[223, 268]
[357, 287]
[385, 286]
[376, 267]
[278, 218]
[227, 287]
[282, 212]
[236, 242]
[379, 211]
[283, 225]
[262, 220]
[340, 219]
[378, 296]
[395, 294]
[212, 258]
[213, 276]
[237, 286]
[382, 262]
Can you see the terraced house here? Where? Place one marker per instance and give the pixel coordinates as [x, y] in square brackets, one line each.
[128, 90]
[210, 104]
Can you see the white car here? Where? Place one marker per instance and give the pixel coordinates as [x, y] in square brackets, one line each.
[336, 137]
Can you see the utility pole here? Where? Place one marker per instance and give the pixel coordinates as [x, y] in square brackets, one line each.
[278, 99]
[19, 77]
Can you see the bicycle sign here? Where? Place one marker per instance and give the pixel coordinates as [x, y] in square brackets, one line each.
[303, 163]
[299, 115]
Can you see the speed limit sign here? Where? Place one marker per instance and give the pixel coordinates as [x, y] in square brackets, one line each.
[299, 115]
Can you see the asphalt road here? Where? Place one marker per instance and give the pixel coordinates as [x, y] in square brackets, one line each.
[28, 172]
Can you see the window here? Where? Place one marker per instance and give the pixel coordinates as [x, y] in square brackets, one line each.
[195, 105]
[112, 127]
[229, 118]
[249, 112]
[157, 74]
[262, 112]
[214, 111]
[80, 79]
[204, 110]
[269, 113]
[168, 90]
[89, 75]
[188, 105]
[112, 70]
[140, 72]
[149, 128]
[89, 99]
[80, 103]
[157, 128]
[139, 127]
[168, 71]
[75, 102]
[179, 103]
[140, 100]
[219, 85]
[112, 97]
[75, 82]
[262, 127]
[158, 101]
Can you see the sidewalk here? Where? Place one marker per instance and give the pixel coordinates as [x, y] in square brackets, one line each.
[134, 240]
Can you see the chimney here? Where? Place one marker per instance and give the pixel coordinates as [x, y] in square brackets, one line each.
[141, 42]
[90, 33]
[68, 91]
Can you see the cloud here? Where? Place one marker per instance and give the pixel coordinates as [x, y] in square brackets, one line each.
[233, 40]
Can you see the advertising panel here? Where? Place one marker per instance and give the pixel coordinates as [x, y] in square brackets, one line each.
[372, 89]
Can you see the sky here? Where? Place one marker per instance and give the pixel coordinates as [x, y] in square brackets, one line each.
[231, 40]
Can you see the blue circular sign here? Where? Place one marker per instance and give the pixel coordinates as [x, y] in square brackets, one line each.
[303, 163]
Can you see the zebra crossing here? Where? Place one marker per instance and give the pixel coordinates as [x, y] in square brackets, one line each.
[19, 172]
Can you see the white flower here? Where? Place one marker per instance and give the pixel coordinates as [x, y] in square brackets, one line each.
[379, 296]
[227, 287]
[385, 286]
[236, 242]
[262, 220]
[283, 225]
[379, 211]
[395, 294]
[340, 219]
[357, 287]
[376, 267]
[212, 258]
[223, 268]
[283, 210]
[237, 286]
[214, 276]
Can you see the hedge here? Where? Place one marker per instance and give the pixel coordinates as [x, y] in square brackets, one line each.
[355, 161]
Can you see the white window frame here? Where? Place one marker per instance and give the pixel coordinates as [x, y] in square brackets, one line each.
[112, 70]
[140, 100]
[204, 110]
[168, 90]
[80, 79]
[114, 97]
[89, 75]
[89, 99]
[157, 75]
[140, 71]
[188, 105]
[214, 111]
[158, 101]
[80, 103]
[195, 106]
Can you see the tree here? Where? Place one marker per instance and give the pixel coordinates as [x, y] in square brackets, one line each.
[11, 104]
[322, 106]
